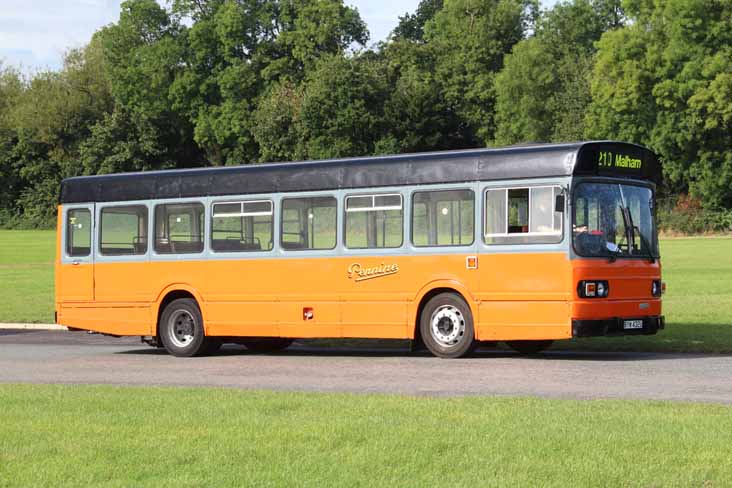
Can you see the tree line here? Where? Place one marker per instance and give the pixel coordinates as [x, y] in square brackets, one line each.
[222, 82]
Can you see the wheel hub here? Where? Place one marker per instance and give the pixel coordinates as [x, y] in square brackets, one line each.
[182, 328]
[447, 325]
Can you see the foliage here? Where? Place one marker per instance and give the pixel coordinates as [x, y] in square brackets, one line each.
[665, 80]
[471, 38]
[686, 215]
[411, 26]
[543, 90]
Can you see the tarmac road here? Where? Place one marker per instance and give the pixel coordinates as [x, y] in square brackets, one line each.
[80, 358]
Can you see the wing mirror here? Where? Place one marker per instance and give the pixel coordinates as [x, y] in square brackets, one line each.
[559, 203]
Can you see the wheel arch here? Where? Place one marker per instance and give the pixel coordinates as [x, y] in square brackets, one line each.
[174, 292]
[432, 289]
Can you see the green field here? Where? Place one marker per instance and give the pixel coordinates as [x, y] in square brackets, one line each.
[117, 436]
[698, 305]
[26, 275]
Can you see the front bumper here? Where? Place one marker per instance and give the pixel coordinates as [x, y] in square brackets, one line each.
[614, 326]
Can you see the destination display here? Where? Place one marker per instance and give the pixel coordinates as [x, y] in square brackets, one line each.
[618, 160]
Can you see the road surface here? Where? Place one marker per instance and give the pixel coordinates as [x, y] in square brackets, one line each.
[80, 358]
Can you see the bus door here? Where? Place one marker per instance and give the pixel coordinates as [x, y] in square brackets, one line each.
[76, 271]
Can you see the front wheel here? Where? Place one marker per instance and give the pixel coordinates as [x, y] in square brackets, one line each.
[529, 347]
[446, 325]
[181, 330]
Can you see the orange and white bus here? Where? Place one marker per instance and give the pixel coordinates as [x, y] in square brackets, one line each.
[523, 244]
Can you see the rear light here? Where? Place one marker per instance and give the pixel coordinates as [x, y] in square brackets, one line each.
[658, 288]
[593, 289]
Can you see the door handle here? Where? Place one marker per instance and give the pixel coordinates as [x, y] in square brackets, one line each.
[75, 263]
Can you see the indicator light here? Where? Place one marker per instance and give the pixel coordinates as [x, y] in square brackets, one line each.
[593, 289]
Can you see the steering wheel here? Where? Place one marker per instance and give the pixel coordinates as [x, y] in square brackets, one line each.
[590, 243]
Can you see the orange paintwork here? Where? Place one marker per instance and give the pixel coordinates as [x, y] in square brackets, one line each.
[512, 296]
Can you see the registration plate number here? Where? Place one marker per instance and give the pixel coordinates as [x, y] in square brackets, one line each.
[632, 324]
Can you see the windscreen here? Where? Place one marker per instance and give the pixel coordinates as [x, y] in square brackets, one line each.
[614, 220]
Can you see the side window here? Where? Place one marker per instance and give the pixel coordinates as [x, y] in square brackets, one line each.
[309, 223]
[179, 228]
[123, 230]
[242, 226]
[443, 218]
[522, 216]
[78, 232]
[374, 221]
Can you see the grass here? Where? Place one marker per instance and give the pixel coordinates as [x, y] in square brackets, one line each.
[118, 436]
[26, 275]
[697, 306]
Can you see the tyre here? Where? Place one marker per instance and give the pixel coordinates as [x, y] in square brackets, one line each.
[267, 344]
[181, 330]
[529, 347]
[446, 325]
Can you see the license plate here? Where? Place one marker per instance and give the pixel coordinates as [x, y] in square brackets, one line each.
[632, 324]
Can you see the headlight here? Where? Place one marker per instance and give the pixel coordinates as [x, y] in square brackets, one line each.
[593, 289]
[657, 288]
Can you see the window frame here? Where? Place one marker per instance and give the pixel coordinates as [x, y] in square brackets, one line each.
[154, 226]
[100, 214]
[67, 234]
[282, 209]
[373, 208]
[440, 190]
[242, 213]
[484, 217]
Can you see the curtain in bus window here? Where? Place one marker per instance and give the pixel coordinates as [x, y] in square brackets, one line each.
[522, 216]
[542, 210]
[495, 205]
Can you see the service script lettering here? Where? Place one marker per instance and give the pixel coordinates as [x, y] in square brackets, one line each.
[360, 273]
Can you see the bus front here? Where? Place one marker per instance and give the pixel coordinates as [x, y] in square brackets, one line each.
[616, 269]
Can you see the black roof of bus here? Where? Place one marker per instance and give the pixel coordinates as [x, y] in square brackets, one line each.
[598, 158]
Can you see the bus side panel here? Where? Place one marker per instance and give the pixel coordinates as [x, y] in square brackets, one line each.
[525, 296]
[118, 319]
[271, 297]
[130, 282]
[376, 291]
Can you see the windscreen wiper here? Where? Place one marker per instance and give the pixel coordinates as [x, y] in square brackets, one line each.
[631, 231]
[646, 244]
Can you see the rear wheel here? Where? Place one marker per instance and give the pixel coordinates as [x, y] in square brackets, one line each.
[529, 347]
[181, 330]
[267, 344]
[446, 325]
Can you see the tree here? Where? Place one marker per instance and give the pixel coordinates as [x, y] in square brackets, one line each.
[11, 87]
[544, 90]
[121, 142]
[50, 119]
[235, 50]
[664, 81]
[342, 110]
[411, 26]
[471, 38]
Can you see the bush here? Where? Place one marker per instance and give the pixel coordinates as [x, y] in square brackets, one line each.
[685, 215]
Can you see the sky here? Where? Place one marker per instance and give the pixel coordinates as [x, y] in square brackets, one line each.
[35, 34]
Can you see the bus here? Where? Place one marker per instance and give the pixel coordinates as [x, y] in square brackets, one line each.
[526, 245]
